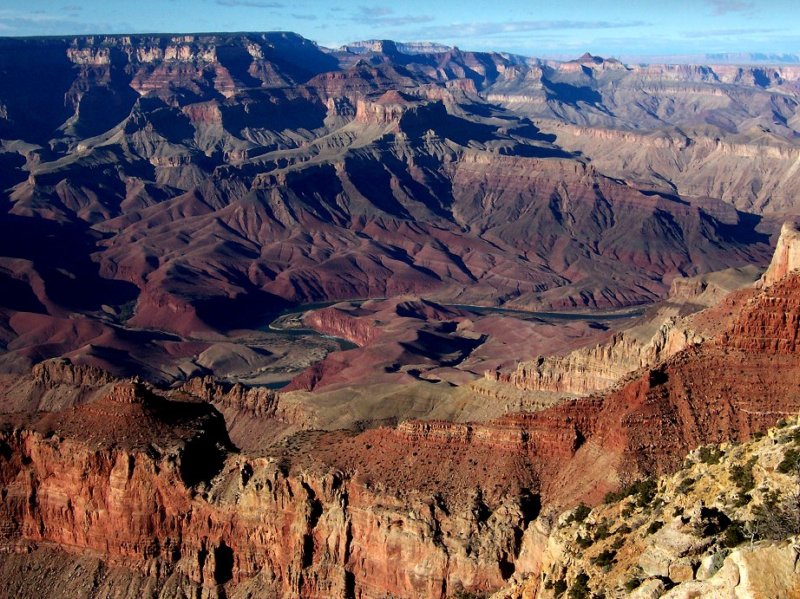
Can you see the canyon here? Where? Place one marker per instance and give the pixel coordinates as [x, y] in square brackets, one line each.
[150, 481]
[205, 183]
[280, 320]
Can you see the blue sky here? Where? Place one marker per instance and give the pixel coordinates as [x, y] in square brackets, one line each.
[537, 28]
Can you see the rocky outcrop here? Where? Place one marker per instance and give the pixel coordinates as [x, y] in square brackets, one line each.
[58, 371]
[660, 334]
[724, 525]
[259, 401]
[172, 507]
[786, 259]
[336, 322]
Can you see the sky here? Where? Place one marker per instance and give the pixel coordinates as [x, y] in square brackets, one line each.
[559, 28]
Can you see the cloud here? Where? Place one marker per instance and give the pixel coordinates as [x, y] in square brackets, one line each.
[372, 12]
[385, 17]
[250, 3]
[72, 8]
[24, 23]
[731, 32]
[504, 28]
[305, 17]
[723, 7]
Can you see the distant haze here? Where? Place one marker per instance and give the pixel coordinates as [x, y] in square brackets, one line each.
[738, 31]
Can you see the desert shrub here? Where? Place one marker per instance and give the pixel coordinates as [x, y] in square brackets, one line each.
[614, 496]
[712, 522]
[790, 462]
[580, 588]
[584, 542]
[685, 486]
[709, 455]
[559, 587]
[605, 559]
[743, 499]
[618, 543]
[734, 535]
[678, 511]
[627, 511]
[654, 527]
[580, 513]
[776, 518]
[742, 475]
[624, 529]
[602, 531]
[645, 491]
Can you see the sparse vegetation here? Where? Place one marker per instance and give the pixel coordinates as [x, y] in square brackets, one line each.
[643, 490]
[777, 517]
[559, 587]
[654, 527]
[580, 588]
[790, 462]
[584, 542]
[686, 485]
[710, 455]
[742, 475]
[623, 529]
[602, 531]
[605, 559]
[579, 514]
[734, 535]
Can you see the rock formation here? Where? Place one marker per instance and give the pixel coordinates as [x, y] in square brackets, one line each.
[660, 334]
[724, 525]
[206, 182]
[787, 255]
[149, 481]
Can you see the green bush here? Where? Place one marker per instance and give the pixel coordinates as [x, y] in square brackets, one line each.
[559, 587]
[710, 455]
[580, 513]
[685, 486]
[734, 535]
[654, 527]
[614, 496]
[605, 559]
[580, 588]
[602, 531]
[584, 542]
[790, 462]
[742, 475]
[623, 530]
[645, 491]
